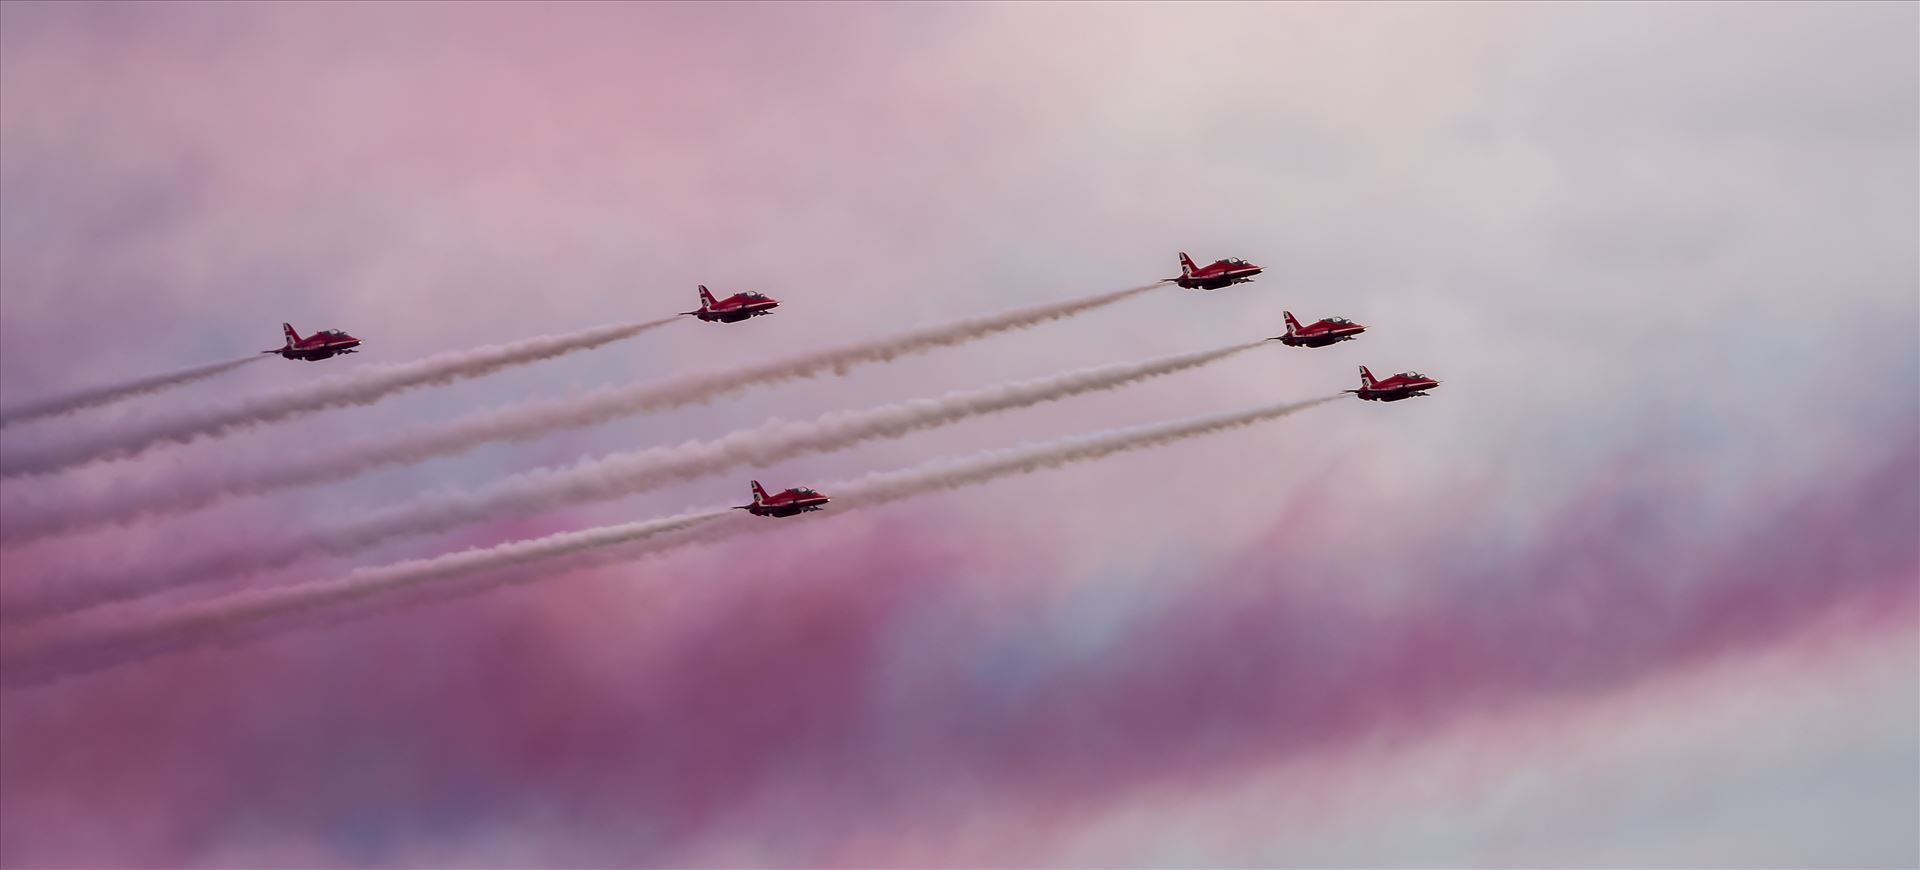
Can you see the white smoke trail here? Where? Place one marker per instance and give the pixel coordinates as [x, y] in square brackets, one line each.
[608, 477]
[623, 474]
[523, 422]
[237, 618]
[362, 387]
[883, 487]
[55, 406]
[387, 580]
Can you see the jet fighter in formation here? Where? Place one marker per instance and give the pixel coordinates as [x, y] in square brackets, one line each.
[318, 346]
[733, 309]
[1215, 275]
[788, 503]
[1405, 385]
[1320, 333]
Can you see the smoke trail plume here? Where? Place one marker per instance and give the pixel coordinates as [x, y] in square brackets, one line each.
[362, 387]
[623, 474]
[238, 618]
[386, 580]
[529, 420]
[880, 488]
[55, 406]
[609, 477]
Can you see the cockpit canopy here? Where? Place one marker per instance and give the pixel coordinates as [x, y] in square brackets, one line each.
[1416, 375]
[334, 332]
[753, 295]
[801, 490]
[1339, 321]
[1231, 261]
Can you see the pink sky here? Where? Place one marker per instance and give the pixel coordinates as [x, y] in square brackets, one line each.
[1663, 257]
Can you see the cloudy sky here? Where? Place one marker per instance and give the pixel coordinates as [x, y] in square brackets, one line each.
[1636, 587]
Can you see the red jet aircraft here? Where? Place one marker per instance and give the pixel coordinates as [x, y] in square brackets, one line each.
[1220, 274]
[1404, 385]
[1320, 334]
[798, 500]
[733, 309]
[317, 346]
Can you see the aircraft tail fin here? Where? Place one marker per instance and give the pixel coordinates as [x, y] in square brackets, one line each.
[759, 494]
[292, 336]
[1186, 265]
[706, 298]
[1293, 326]
[1366, 378]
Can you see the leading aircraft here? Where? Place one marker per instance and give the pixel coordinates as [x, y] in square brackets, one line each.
[1318, 334]
[794, 501]
[1218, 274]
[1404, 385]
[733, 309]
[318, 346]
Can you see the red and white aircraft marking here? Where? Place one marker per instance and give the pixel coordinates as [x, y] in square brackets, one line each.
[733, 309]
[1320, 333]
[1405, 385]
[788, 503]
[318, 346]
[1215, 275]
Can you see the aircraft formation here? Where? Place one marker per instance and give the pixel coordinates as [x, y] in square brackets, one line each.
[591, 479]
[798, 500]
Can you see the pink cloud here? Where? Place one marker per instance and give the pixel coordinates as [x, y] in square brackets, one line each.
[812, 692]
